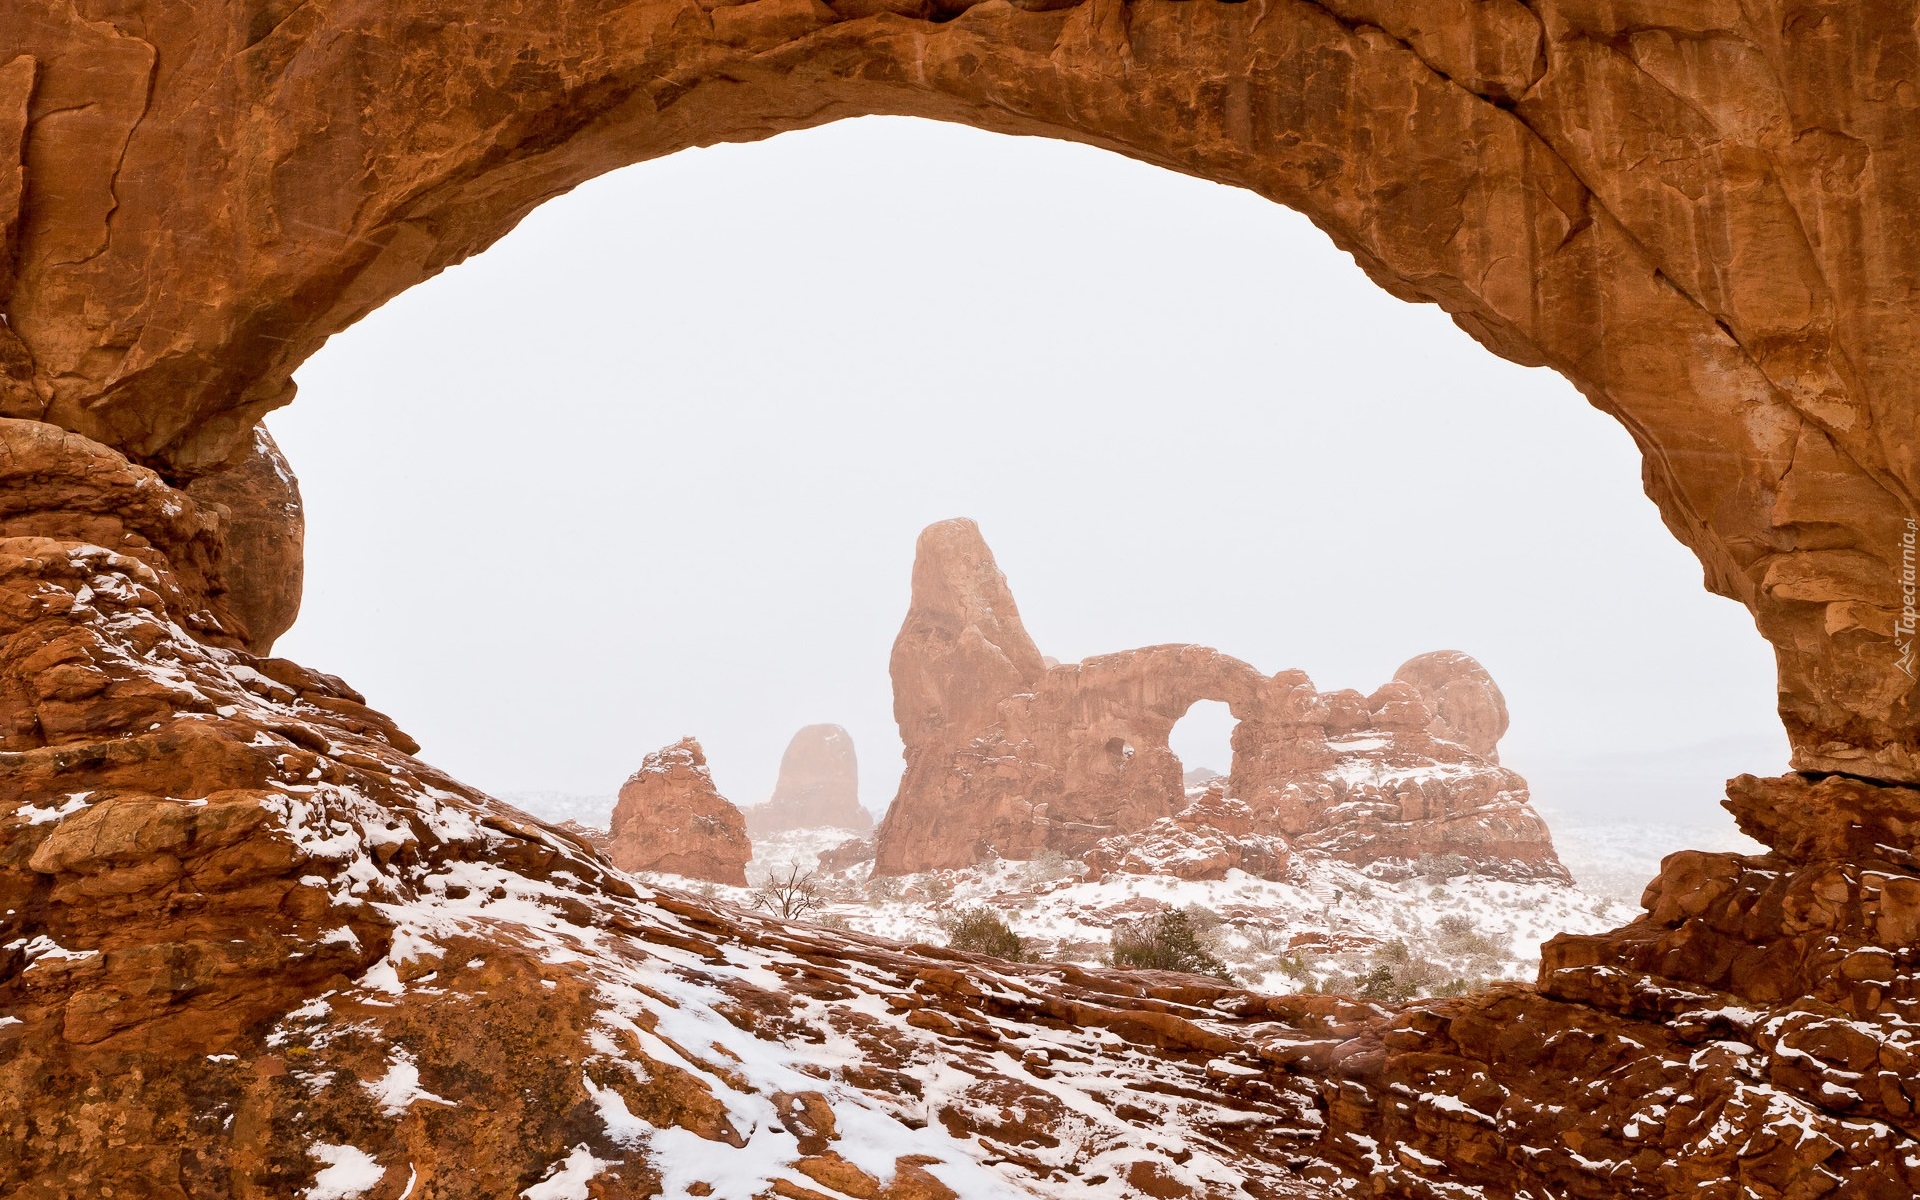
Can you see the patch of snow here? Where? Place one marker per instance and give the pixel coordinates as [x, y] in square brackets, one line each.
[44, 816]
[350, 1172]
[571, 1182]
[44, 948]
[399, 1089]
[623, 1127]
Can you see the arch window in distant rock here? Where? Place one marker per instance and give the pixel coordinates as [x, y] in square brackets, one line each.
[1203, 742]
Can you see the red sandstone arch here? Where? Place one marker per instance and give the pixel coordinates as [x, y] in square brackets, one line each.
[1703, 219]
[1702, 215]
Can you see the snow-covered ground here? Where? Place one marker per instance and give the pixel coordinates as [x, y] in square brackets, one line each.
[1618, 858]
[1329, 926]
[556, 807]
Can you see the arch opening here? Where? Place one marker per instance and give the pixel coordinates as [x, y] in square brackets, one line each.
[1202, 739]
[832, 471]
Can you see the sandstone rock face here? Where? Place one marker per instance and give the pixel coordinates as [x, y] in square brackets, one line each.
[264, 530]
[671, 819]
[1703, 220]
[1071, 756]
[1211, 836]
[818, 787]
[1466, 704]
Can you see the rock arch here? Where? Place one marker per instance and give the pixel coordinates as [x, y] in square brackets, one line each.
[1702, 215]
[1702, 220]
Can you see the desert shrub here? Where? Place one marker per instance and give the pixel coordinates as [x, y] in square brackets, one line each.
[1267, 939]
[789, 896]
[1380, 984]
[882, 888]
[1049, 867]
[1439, 867]
[934, 888]
[1454, 934]
[983, 931]
[1166, 941]
[1206, 922]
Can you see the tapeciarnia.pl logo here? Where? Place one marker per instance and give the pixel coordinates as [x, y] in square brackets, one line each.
[1903, 630]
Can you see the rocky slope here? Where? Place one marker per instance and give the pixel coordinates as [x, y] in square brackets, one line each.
[1011, 757]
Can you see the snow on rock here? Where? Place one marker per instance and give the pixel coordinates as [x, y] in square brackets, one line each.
[400, 1088]
[349, 1173]
[571, 1180]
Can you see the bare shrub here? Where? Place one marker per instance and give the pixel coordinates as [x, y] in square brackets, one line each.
[1050, 867]
[791, 896]
[1455, 935]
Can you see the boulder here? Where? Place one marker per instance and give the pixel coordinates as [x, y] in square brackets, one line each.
[264, 527]
[848, 854]
[1467, 706]
[670, 819]
[818, 787]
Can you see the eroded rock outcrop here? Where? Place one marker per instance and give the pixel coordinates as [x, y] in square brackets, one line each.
[1212, 835]
[818, 786]
[263, 531]
[671, 819]
[1074, 755]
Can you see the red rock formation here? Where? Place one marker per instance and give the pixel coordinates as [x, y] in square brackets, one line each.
[671, 819]
[850, 853]
[1703, 219]
[1074, 755]
[263, 528]
[1701, 215]
[1467, 706]
[1211, 836]
[1368, 780]
[818, 787]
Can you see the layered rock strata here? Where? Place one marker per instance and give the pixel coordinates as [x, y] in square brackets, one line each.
[818, 786]
[671, 819]
[1009, 757]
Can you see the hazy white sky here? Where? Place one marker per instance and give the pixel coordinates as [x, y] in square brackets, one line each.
[654, 466]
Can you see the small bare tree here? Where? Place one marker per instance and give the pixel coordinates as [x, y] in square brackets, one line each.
[790, 897]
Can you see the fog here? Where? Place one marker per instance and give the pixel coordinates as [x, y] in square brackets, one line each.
[654, 466]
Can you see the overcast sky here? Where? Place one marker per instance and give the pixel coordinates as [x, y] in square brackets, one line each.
[654, 465]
